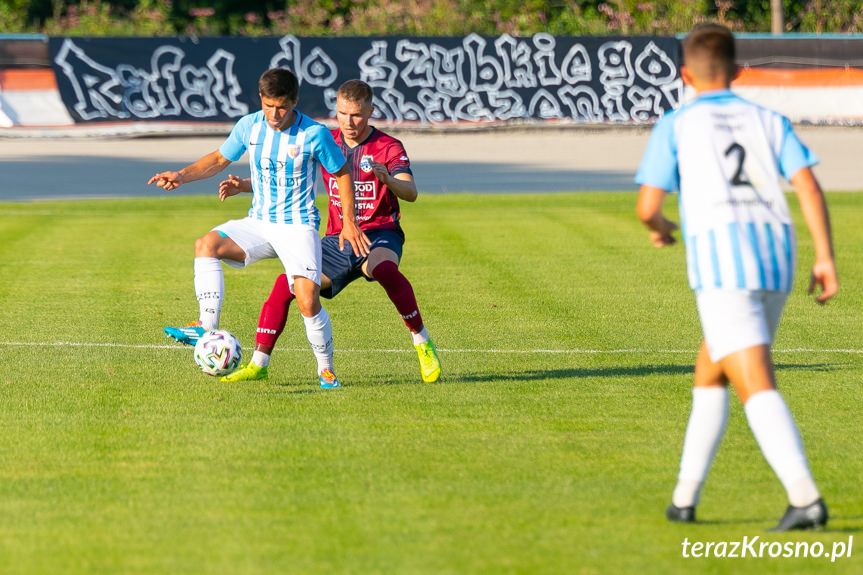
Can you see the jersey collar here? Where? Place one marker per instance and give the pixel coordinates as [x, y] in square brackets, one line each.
[715, 95]
[369, 137]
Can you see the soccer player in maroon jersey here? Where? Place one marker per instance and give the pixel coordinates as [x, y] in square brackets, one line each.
[382, 176]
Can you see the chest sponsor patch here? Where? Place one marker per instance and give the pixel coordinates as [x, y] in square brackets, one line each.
[363, 191]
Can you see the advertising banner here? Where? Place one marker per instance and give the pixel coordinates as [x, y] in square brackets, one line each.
[422, 81]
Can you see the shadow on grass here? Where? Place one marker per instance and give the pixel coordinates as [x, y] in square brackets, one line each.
[812, 366]
[847, 528]
[709, 522]
[573, 373]
[843, 530]
[295, 387]
[774, 520]
[636, 371]
[824, 530]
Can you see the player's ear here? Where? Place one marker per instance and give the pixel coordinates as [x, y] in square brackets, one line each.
[686, 75]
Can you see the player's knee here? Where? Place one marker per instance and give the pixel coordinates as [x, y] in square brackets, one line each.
[306, 293]
[215, 245]
[381, 266]
[309, 306]
[205, 246]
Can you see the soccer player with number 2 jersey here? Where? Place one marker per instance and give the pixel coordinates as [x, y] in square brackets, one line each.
[726, 156]
[382, 176]
[285, 148]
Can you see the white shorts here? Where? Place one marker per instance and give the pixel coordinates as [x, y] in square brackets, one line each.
[298, 246]
[733, 320]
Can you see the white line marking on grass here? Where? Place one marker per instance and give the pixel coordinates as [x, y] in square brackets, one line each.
[403, 350]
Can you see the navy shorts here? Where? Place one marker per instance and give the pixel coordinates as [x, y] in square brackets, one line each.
[343, 267]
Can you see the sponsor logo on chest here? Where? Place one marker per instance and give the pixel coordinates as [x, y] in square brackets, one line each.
[363, 191]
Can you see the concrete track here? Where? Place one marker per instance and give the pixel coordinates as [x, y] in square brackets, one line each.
[504, 160]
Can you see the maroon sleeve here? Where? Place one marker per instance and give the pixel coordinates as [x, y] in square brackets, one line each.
[397, 159]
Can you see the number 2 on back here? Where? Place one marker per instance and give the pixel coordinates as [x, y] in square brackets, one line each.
[738, 179]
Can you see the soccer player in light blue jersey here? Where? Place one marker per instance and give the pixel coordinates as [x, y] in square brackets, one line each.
[382, 176]
[726, 156]
[285, 148]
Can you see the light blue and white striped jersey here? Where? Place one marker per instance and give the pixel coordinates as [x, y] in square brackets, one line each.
[284, 166]
[726, 156]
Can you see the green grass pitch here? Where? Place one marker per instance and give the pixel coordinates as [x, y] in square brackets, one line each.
[550, 445]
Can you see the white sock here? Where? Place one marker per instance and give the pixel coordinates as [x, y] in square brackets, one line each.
[210, 290]
[319, 330]
[421, 337]
[260, 358]
[704, 433]
[776, 433]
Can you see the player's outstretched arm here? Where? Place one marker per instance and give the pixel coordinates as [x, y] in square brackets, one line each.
[209, 165]
[350, 230]
[402, 185]
[234, 185]
[649, 210]
[814, 209]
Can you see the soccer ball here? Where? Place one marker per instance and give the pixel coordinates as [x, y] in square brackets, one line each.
[218, 352]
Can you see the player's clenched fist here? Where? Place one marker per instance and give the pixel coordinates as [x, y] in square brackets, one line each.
[381, 171]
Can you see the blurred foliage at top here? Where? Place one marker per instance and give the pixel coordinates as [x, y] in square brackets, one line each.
[413, 17]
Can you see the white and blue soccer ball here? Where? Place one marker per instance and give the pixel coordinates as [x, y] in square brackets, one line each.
[218, 352]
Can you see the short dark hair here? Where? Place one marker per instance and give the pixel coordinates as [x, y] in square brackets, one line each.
[279, 83]
[708, 50]
[355, 91]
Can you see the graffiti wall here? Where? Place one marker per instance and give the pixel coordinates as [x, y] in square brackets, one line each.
[428, 81]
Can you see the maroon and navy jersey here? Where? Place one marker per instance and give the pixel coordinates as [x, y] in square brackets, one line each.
[377, 208]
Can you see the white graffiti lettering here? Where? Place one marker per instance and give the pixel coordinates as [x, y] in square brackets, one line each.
[415, 81]
[509, 79]
[168, 89]
[516, 61]
[98, 90]
[317, 69]
[375, 69]
[487, 72]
